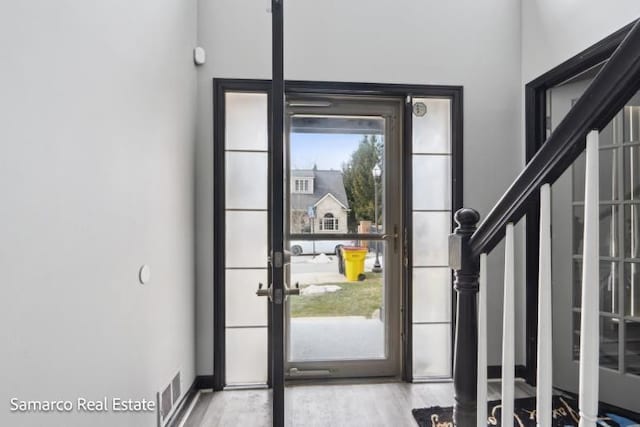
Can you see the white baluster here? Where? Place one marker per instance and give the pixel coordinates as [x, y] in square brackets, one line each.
[635, 236]
[545, 361]
[508, 329]
[482, 343]
[590, 315]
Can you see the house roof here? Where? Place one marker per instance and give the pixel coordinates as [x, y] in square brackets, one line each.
[324, 182]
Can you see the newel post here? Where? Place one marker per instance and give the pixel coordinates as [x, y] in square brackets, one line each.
[465, 357]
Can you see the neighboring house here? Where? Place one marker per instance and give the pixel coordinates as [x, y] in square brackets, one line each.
[318, 201]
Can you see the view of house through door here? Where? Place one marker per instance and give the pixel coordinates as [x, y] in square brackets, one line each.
[344, 211]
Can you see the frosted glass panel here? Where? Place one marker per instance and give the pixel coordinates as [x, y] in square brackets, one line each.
[432, 182]
[246, 180]
[432, 295]
[432, 132]
[432, 350]
[431, 238]
[242, 306]
[246, 121]
[246, 239]
[246, 356]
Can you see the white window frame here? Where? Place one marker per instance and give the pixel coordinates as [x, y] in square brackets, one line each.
[302, 186]
[332, 220]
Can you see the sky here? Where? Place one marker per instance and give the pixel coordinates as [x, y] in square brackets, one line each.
[327, 151]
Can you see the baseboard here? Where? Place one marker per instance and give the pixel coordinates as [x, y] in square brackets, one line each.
[200, 382]
[203, 382]
[495, 371]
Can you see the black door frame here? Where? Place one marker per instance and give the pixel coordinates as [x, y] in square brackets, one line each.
[222, 85]
[535, 135]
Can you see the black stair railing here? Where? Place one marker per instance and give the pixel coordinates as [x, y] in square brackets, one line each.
[614, 85]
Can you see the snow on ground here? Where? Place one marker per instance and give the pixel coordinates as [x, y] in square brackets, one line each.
[319, 289]
[321, 259]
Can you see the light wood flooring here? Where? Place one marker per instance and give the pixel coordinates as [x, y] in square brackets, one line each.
[335, 405]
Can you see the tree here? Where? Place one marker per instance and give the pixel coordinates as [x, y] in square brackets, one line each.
[358, 180]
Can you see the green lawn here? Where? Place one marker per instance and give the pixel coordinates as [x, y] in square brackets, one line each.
[354, 299]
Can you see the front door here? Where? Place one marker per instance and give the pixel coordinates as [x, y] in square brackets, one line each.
[619, 254]
[365, 192]
[344, 212]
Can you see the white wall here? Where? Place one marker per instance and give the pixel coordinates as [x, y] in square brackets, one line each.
[97, 124]
[553, 31]
[468, 43]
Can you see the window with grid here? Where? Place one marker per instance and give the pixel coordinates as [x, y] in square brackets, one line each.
[619, 184]
[329, 223]
[303, 186]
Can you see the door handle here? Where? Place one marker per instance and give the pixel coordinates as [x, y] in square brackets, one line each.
[280, 260]
[393, 236]
[292, 291]
[263, 292]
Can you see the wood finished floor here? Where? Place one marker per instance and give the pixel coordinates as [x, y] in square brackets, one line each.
[335, 405]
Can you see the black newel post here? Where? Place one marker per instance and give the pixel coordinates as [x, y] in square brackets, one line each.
[465, 358]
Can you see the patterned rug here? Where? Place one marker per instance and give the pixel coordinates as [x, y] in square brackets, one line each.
[565, 414]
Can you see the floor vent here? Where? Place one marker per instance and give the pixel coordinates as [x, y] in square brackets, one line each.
[168, 399]
[175, 387]
[165, 402]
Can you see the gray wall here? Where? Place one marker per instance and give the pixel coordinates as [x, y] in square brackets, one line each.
[469, 43]
[97, 113]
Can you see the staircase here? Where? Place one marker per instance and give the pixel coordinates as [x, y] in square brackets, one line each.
[470, 244]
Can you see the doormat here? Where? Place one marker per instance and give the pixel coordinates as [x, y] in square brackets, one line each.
[565, 413]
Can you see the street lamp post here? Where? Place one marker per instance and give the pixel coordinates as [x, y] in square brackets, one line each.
[377, 172]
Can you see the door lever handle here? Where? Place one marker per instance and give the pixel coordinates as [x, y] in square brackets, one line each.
[293, 291]
[263, 292]
[393, 236]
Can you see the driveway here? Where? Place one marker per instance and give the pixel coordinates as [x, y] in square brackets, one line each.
[335, 338]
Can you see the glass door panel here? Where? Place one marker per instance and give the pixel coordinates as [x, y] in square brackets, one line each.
[335, 318]
[332, 182]
[344, 192]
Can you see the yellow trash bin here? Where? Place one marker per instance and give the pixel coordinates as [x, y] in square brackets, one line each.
[354, 262]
